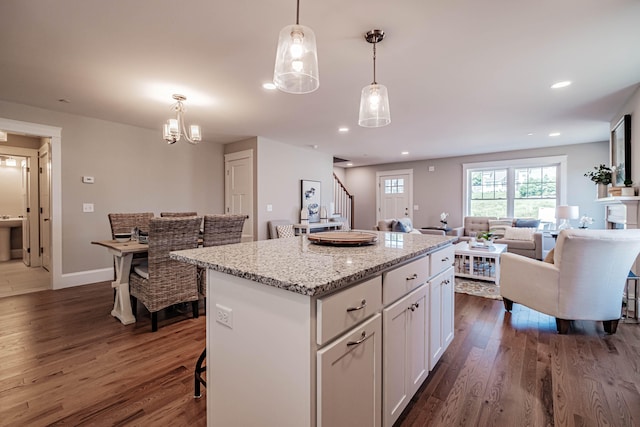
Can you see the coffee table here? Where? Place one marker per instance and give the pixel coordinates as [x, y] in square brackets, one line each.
[479, 264]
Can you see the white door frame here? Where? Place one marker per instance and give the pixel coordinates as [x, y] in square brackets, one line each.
[381, 174]
[230, 157]
[38, 130]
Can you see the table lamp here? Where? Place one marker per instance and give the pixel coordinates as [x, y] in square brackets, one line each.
[566, 213]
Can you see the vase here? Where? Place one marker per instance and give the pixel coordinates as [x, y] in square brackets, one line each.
[602, 191]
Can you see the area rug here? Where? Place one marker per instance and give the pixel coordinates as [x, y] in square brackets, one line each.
[478, 288]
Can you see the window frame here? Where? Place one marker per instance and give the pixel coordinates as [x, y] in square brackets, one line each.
[560, 162]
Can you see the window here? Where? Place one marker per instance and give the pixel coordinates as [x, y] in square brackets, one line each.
[523, 188]
[394, 186]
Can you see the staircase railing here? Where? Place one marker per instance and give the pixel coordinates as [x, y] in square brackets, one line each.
[342, 200]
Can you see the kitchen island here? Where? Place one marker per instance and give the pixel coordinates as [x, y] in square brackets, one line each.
[294, 329]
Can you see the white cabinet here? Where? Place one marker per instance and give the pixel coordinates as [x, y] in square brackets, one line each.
[349, 378]
[441, 314]
[405, 351]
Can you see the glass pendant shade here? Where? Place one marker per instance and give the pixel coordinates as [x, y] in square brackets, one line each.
[296, 68]
[374, 106]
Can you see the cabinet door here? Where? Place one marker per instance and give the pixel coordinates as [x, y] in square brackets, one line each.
[405, 352]
[447, 308]
[441, 315]
[435, 321]
[349, 378]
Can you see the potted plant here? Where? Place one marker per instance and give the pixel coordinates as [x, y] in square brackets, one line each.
[601, 176]
[628, 189]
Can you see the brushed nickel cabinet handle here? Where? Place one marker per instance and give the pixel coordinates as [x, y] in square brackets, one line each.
[362, 305]
[362, 338]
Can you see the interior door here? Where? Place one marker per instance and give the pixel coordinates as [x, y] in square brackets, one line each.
[44, 168]
[26, 253]
[238, 186]
[394, 196]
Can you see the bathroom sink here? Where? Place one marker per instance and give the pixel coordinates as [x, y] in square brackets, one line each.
[5, 236]
[11, 222]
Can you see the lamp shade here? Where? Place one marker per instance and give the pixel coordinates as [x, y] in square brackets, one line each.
[567, 212]
[296, 68]
[374, 106]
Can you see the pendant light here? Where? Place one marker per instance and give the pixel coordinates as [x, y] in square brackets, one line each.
[374, 100]
[296, 69]
[174, 129]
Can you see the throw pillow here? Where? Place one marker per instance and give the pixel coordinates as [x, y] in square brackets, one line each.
[497, 227]
[549, 257]
[527, 223]
[285, 231]
[403, 225]
[514, 233]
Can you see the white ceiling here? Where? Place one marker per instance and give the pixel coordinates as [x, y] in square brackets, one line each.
[464, 76]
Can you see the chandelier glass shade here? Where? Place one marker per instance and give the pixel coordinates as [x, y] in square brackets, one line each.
[174, 129]
[296, 67]
[374, 99]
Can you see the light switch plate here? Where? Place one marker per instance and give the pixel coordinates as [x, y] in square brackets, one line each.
[87, 207]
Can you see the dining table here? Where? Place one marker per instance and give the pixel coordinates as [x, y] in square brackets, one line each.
[123, 254]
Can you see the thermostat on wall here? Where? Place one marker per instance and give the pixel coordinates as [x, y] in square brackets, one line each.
[87, 179]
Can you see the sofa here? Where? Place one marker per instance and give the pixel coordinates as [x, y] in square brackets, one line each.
[401, 225]
[521, 235]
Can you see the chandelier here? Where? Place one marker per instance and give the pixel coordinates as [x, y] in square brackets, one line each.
[296, 69]
[374, 100]
[175, 128]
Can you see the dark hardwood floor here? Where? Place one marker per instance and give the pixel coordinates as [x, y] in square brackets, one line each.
[65, 361]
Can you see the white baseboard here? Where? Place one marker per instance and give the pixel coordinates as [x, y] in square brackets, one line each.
[80, 278]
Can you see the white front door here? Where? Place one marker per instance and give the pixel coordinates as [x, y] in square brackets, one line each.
[238, 184]
[395, 194]
[45, 205]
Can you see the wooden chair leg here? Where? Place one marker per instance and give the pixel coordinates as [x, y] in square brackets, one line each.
[563, 326]
[508, 304]
[610, 326]
[195, 308]
[154, 321]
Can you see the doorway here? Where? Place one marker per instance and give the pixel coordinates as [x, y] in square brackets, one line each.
[238, 189]
[52, 136]
[394, 197]
[23, 273]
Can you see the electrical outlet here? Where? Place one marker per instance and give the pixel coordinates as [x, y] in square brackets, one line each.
[224, 315]
[87, 207]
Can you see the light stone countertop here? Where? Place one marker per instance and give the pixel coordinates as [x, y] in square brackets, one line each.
[297, 265]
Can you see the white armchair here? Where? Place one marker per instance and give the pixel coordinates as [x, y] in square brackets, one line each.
[585, 281]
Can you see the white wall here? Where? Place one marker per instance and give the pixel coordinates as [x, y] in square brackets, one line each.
[134, 171]
[441, 190]
[281, 167]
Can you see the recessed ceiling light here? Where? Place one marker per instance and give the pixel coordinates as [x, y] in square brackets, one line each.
[554, 134]
[269, 86]
[343, 129]
[561, 84]
[529, 134]
[349, 164]
[404, 153]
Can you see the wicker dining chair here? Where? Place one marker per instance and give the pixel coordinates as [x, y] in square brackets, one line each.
[177, 214]
[125, 222]
[164, 282]
[218, 230]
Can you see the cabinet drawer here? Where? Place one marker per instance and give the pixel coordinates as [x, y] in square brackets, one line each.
[404, 279]
[344, 309]
[442, 259]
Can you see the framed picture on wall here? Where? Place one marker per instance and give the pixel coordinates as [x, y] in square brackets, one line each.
[621, 151]
[310, 196]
